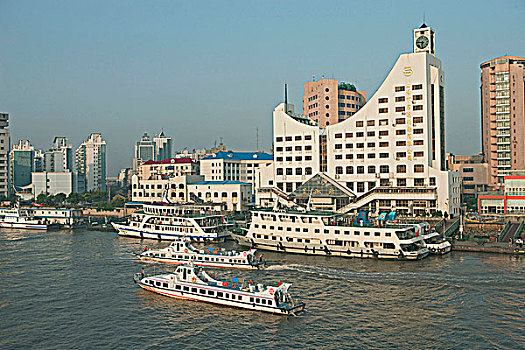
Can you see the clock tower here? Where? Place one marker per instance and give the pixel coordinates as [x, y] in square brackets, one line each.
[424, 40]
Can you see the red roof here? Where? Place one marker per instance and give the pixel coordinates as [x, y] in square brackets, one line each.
[170, 161]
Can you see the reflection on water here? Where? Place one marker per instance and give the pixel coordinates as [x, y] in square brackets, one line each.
[61, 289]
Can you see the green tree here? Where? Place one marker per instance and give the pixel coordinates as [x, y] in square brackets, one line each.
[59, 198]
[118, 201]
[74, 198]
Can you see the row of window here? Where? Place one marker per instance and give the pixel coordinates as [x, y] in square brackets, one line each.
[297, 148]
[401, 99]
[316, 231]
[348, 97]
[297, 159]
[293, 138]
[383, 169]
[401, 143]
[298, 171]
[399, 155]
[414, 87]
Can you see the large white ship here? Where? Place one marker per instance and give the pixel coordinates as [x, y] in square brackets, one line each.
[326, 233]
[172, 222]
[23, 219]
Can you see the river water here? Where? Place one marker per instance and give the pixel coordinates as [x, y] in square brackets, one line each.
[74, 290]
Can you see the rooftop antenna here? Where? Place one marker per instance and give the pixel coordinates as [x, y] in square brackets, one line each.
[313, 77]
[257, 138]
[424, 17]
[221, 140]
[285, 98]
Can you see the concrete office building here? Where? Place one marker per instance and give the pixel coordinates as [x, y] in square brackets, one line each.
[163, 146]
[91, 162]
[60, 157]
[503, 116]
[21, 164]
[328, 102]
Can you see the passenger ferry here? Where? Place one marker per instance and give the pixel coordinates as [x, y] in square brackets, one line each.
[183, 252]
[188, 282]
[326, 233]
[23, 219]
[436, 244]
[171, 222]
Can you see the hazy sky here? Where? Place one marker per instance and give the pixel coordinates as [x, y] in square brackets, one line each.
[203, 70]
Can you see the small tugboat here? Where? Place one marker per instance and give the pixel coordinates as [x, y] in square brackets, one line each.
[183, 252]
[188, 282]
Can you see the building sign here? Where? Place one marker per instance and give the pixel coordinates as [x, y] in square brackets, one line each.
[408, 114]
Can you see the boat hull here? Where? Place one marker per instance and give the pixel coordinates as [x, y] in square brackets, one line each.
[196, 263]
[305, 249]
[239, 304]
[127, 231]
[41, 227]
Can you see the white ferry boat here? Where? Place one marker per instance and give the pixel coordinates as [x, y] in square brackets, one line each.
[326, 233]
[183, 252]
[436, 244]
[23, 219]
[171, 222]
[192, 283]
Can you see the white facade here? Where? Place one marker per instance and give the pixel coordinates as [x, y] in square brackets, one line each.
[91, 162]
[237, 195]
[154, 189]
[55, 183]
[60, 157]
[234, 166]
[5, 144]
[396, 140]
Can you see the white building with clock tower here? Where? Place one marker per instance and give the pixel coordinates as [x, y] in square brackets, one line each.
[390, 153]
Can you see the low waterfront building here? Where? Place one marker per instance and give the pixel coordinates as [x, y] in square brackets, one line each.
[53, 183]
[154, 178]
[510, 201]
[69, 218]
[235, 194]
[473, 172]
[234, 166]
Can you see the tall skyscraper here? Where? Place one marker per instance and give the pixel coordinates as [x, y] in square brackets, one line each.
[328, 102]
[60, 157]
[503, 116]
[144, 150]
[4, 152]
[163, 146]
[21, 164]
[91, 162]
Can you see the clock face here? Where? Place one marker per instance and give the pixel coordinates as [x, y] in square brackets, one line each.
[422, 42]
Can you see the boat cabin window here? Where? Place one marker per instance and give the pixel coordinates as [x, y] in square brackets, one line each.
[256, 225]
[211, 292]
[177, 287]
[187, 289]
[194, 290]
[367, 233]
[357, 233]
[165, 285]
[389, 246]
[251, 299]
[219, 294]
[337, 232]
[288, 229]
[317, 230]
[279, 228]
[305, 230]
[270, 302]
[226, 295]
[202, 291]
[306, 241]
[272, 227]
[274, 238]
[377, 234]
[347, 232]
[326, 232]
[158, 284]
[263, 301]
[263, 226]
[297, 229]
[239, 297]
[388, 234]
[258, 301]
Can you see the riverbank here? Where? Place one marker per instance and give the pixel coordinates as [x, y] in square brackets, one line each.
[487, 247]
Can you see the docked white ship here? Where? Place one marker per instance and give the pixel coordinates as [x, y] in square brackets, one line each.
[183, 252]
[436, 244]
[326, 233]
[171, 222]
[192, 283]
[23, 219]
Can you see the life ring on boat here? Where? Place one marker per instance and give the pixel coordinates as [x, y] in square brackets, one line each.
[270, 291]
[433, 250]
[249, 282]
[193, 279]
[244, 253]
[185, 250]
[234, 285]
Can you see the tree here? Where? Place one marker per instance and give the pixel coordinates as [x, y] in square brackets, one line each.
[59, 198]
[42, 198]
[118, 201]
[74, 198]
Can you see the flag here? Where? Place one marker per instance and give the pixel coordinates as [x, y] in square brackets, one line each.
[382, 216]
[391, 216]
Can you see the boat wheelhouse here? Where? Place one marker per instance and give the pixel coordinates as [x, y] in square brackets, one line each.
[436, 244]
[326, 233]
[171, 222]
[23, 219]
[188, 282]
[183, 252]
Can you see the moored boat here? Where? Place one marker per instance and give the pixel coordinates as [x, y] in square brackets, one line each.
[172, 222]
[21, 219]
[436, 244]
[188, 282]
[182, 251]
[326, 233]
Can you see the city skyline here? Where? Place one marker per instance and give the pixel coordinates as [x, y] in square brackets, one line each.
[186, 69]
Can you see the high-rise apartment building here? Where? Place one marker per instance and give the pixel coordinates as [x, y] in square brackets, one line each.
[91, 162]
[328, 102]
[390, 153]
[60, 157]
[163, 146]
[503, 116]
[21, 164]
[4, 152]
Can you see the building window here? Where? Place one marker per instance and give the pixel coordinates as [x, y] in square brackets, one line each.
[371, 169]
[418, 108]
[384, 169]
[400, 121]
[417, 97]
[419, 168]
[400, 98]
[308, 171]
[418, 120]
[418, 154]
[298, 138]
[298, 171]
[417, 87]
[371, 144]
[418, 131]
[383, 133]
[338, 170]
[288, 138]
[349, 169]
[338, 136]
[468, 170]
[338, 146]
[401, 143]
[360, 156]
[383, 144]
[349, 145]
[308, 137]
[359, 134]
[289, 171]
[359, 124]
[401, 182]
[371, 133]
[401, 155]
[370, 123]
[418, 143]
[419, 182]
[383, 100]
[400, 109]
[278, 139]
[371, 155]
[383, 110]
[432, 181]
[401, 132]
[383, 155]
[349, 134]
[399, 88]
[360, 169]
[401, 168]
